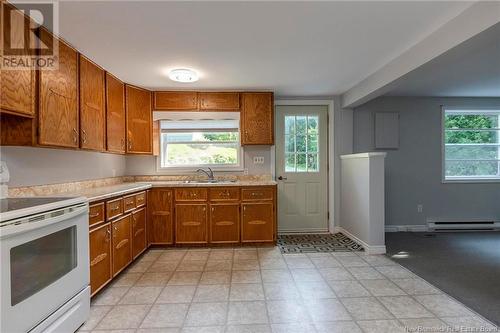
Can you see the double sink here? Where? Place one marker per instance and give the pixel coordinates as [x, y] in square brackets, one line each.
[210, 181]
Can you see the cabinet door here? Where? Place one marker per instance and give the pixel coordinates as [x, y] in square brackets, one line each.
[122, 244]
[17, 87]
[100, 257]
[92, 114]
[257, 119]
[139, 120]
[138, 232]
[219, 101]
[257, 222]
[176, 100]
[160, 227]
[191, 223]
[58, 102]
[225, 223]
[115, 114]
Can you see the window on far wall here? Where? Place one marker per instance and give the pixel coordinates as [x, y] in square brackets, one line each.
[471, 148]
[193, 143]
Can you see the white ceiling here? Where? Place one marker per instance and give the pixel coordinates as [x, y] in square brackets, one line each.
[471, 69]
[293, 48]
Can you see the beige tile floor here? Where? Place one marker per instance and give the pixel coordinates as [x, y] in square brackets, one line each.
[262, 290]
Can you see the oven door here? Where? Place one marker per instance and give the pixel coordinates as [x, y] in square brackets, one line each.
[44, 264]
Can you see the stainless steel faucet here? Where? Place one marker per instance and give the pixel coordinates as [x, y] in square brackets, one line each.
[209, 173]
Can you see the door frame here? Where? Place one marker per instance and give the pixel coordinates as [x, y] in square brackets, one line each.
[330, 150]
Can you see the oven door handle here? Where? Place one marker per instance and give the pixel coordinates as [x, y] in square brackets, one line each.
[14, 229]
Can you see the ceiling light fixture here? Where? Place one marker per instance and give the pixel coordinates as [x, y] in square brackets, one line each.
[183, 75]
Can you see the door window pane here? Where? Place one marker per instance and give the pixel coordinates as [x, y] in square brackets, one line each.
[312, 162]
[301, 143]
[290, 162]
[36, 264]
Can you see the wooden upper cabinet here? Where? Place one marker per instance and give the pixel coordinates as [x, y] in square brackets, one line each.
[219, 101]
[139, 120]
[115, 114]
[58, 98]
[176, 100]
[92, 112]
[17, 87]
[257, 118]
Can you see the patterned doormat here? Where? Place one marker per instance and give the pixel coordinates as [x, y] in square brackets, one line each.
[311, 243]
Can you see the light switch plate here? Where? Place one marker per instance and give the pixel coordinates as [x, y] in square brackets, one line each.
[258, 160]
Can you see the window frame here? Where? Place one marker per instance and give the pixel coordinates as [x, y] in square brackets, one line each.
[461, 179]
[192, 168]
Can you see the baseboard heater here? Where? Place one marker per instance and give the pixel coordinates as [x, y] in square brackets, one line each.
[437, 225]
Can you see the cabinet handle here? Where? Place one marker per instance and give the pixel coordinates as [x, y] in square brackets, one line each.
[108, 234]
[213, 209]
[204, 208]
[94, 215]
[84, 136]
[75, 135]
[129, 144]
[122, 141]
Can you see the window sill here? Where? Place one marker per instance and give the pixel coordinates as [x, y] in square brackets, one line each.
[470, 180]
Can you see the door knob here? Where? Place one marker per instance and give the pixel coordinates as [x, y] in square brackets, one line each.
[282, 178]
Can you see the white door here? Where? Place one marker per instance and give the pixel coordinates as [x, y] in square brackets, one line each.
[301, 168]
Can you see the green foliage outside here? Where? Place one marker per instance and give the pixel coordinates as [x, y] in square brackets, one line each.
[301, 143]
[224, 149]
[458, 156]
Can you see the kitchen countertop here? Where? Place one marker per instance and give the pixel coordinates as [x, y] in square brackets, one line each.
[106, 192]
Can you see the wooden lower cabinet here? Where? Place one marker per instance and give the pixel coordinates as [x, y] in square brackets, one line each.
[139, 242]
[257, 223]
[122, 243]
[100, 257]
[191, 223]
[160, 216]
[225, 223]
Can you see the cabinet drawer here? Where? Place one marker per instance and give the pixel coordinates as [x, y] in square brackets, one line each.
[191, 194]
[129, 203]
[257, 193]
[114, 208]
[140, 199]
[96, 213]
[224, 193]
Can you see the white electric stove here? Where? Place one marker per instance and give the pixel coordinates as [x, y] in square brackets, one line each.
[44, 250]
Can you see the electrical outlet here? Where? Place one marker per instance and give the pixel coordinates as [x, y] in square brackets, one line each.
[245, 172]
[258, 160]
[420, 208]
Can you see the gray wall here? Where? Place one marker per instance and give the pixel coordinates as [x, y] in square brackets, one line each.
[413, 172]
[146, 165]
[36, 166]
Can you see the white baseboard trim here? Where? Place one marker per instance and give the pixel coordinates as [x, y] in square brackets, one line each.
[302, 231]
[406, 228]
[369, 249]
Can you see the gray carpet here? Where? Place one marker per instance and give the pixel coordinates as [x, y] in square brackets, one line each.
[464, 265]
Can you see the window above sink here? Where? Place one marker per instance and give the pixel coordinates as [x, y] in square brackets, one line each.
[191, 140]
